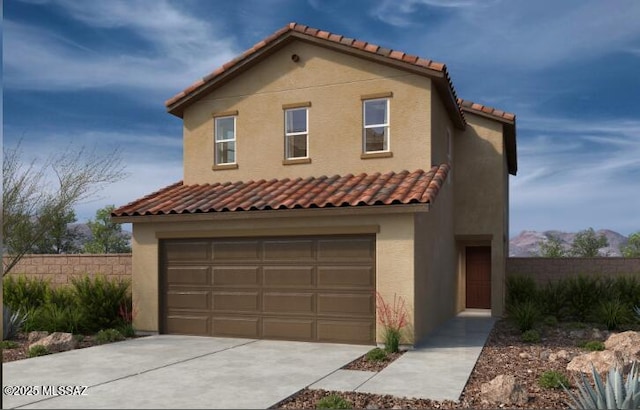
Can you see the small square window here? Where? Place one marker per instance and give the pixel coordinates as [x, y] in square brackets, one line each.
[296, 134]
[376, 125]
[225, 140]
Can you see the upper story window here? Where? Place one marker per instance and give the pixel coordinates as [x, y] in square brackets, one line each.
[376, 125]
[296, 133]
[225, 140]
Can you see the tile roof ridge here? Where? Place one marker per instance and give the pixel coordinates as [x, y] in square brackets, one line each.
[471, 106]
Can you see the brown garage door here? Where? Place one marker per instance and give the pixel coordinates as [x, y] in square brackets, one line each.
[293, 288]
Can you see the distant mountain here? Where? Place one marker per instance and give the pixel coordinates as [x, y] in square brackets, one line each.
[527, 243]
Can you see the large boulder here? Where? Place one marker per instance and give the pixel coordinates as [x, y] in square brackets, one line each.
[627, 343]
[36, 335]
[503, 389]
[602, 361]
[57, 342]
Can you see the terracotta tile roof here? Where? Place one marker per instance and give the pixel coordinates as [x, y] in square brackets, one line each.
[470, 106]
[417, 187]
[310, 32]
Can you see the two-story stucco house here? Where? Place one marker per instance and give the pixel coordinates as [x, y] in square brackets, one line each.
[319, 170]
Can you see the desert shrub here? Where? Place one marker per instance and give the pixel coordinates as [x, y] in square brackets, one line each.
[551, 321]
[520, 289]
[393, 319]
[9, 344]
[62, 296]
[109, 336]
[22, 293]
[333, 401]
[612, 313]
[583, 293]
[37, 350]
[55, 318]
[376, 355]
[593, 345]
[530, 336]
[626, 289]
[100, 301]
[127, 330]
[552, 298]
[525, 314]
[12, 322]
[553, 379]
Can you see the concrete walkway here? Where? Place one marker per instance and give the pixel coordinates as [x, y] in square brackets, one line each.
[437, 370]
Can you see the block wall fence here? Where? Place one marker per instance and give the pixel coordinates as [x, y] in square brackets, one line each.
[59, 269]
[545, 269]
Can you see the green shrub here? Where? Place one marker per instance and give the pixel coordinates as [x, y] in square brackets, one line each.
[520, 289]
[553, 379]
[38, 350]
[583, 294]
[551, 321]
[525, 314]
[333, 401]
[593, 345]
[9, 344]
[12, 322]
[553, 298]
[127, 330]
[55, 318]
[626, 289]
[100, 301]
[62, 296]
[530, 336]
[391, 340]
[614, 393]
[376, 355]
[109, 336]
[22, 293]
[612, 313]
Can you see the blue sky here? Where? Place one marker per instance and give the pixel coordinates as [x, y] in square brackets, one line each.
[97, 73]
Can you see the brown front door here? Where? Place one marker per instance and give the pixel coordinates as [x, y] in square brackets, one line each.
[478, 272]
[292, 288]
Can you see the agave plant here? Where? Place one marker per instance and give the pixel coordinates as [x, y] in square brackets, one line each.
[11, 323]
[637, 309]
[612, 394]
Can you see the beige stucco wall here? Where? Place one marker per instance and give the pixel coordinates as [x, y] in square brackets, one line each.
[481, 196]
[394, 250]
[333, 82]
[435, 251]
[440, 124]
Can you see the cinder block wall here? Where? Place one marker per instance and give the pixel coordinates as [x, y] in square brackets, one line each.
[59, 269]
[545, 269]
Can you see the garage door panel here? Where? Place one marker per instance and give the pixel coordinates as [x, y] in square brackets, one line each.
[345, 331]
[289, 329]
[188, 324]
[236, 276]
[236, 301]
[307, 288]
[346, 304]
[288, 276]
[291, 303]
[292, 250]
[188, 300]
[188, 275]
[347, 249]
[187, 250]
[346, 276]
[235, 250]
[236, 326]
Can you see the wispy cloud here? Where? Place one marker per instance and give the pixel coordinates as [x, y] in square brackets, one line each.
[399, 12]
[583, 173]
[179, 48]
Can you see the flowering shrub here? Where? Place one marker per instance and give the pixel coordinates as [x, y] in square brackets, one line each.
[393, 317]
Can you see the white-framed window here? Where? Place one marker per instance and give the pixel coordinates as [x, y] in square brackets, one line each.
[375, 136]
[225, 140]
[296, 133]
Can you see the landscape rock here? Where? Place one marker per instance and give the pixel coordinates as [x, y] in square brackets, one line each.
[597, 334]
[602, 361]
[560, 355]
[525, 355]
[627, 343]
[57, 342]
[544, 355]
[503, 389]
[36, 335]
[577, 334]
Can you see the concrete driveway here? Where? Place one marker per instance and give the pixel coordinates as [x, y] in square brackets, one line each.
[177, 372]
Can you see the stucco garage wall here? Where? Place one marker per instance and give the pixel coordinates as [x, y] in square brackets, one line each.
[436, 265]
[394, 250]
